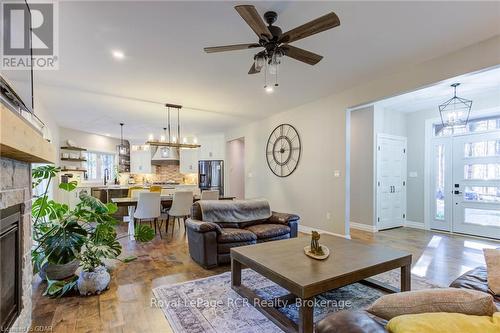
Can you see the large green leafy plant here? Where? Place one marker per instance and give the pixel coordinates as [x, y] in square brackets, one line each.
[86, 233]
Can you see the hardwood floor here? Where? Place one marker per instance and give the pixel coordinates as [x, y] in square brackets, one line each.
[126, 306]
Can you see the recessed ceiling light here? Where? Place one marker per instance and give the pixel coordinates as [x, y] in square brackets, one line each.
[117, 54]
[107, 134]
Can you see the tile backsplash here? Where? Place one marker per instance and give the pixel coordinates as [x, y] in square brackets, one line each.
[165, 173]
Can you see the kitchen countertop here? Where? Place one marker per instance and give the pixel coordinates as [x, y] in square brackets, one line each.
[126, 187]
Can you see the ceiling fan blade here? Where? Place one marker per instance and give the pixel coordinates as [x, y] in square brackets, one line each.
[302, 55]
[253, 70]
[230, 47]
[253, 19]
[325, 22]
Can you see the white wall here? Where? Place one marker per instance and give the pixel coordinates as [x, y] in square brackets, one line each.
[362, 165]
[92, 142]
[236, 168]
[389, 121]
[312, 190]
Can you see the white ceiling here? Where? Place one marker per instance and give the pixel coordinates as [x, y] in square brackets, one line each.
[482, 88]
[163, 43]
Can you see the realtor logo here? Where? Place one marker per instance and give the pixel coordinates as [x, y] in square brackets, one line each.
[22, 49]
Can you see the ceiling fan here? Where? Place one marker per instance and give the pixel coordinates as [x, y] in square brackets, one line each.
[274, 41]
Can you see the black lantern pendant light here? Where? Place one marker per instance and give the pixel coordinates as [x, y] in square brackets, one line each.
[456, 110]
[122, 149]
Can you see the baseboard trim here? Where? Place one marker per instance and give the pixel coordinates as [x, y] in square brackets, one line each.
[308, 230]
[363, 227]
[414, 225]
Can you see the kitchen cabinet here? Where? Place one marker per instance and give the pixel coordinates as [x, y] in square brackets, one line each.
[188, 160]
[212, 147]
[140, 160]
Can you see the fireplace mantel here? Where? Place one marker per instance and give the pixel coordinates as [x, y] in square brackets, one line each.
[20, 141]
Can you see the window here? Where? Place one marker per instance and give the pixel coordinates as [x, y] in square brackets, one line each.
[97, 163]
[473, 126]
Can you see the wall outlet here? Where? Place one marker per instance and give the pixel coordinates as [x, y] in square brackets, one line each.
[328, 215]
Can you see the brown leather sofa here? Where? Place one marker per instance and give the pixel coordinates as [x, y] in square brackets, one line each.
[210, 243]
[361, 322]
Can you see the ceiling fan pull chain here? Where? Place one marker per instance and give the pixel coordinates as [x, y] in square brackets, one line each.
[276, 76]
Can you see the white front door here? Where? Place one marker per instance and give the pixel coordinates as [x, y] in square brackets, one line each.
[391, 181]
[476, 184]
[441, 184]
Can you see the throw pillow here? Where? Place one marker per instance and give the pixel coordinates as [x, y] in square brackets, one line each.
[444, 323]
[492, 258]
[463, 301]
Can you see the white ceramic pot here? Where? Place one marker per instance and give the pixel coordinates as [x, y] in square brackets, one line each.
[91, 283]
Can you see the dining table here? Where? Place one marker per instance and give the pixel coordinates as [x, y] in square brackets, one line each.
[131, 203]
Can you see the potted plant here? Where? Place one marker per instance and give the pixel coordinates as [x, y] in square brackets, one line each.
[102, 243]
[60, 234]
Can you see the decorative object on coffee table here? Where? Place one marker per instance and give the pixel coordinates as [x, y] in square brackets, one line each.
[316, 250]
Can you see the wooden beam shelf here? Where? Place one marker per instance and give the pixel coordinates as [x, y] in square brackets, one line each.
[73, 159]
[73, 148]
[20, 141]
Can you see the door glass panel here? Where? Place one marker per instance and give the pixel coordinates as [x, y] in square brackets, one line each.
[482, 149]
[485, 217]
[482, 193]
[439, 181]
[489, 171]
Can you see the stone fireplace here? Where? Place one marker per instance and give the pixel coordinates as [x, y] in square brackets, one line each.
[15, 242]
[21, 144]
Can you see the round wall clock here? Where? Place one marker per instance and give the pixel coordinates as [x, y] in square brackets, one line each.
[283, 150]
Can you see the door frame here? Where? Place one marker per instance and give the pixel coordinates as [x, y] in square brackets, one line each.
[376, 173]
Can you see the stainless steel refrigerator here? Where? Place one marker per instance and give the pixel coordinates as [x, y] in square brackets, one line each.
[211, 175]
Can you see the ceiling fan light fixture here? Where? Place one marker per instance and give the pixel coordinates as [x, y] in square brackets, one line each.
[260, 61]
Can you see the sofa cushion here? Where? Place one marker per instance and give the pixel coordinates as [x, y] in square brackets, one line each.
[492, 258]
[264, 240]
[476, 279]
[226, 247]
[444, 323]
[349, 321]
[268, 230]
[463, 301]
[235, 235]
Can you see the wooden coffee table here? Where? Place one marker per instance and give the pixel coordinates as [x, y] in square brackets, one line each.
[285, 263]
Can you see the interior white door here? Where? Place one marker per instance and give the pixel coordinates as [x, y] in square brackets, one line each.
[441, 184]
[476, 184]
[391, 181]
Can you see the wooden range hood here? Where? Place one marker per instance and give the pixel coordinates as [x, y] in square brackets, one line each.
[19, 140]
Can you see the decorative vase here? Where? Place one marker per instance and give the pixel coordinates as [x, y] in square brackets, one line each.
[91, 283]
[58, 271]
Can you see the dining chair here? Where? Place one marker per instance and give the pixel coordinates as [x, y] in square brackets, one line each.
[181, 208]
[210, 195]
[155, 188]
[148, 208]
[167, 191]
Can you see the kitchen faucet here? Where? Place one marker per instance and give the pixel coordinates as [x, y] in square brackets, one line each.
[106, 176]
